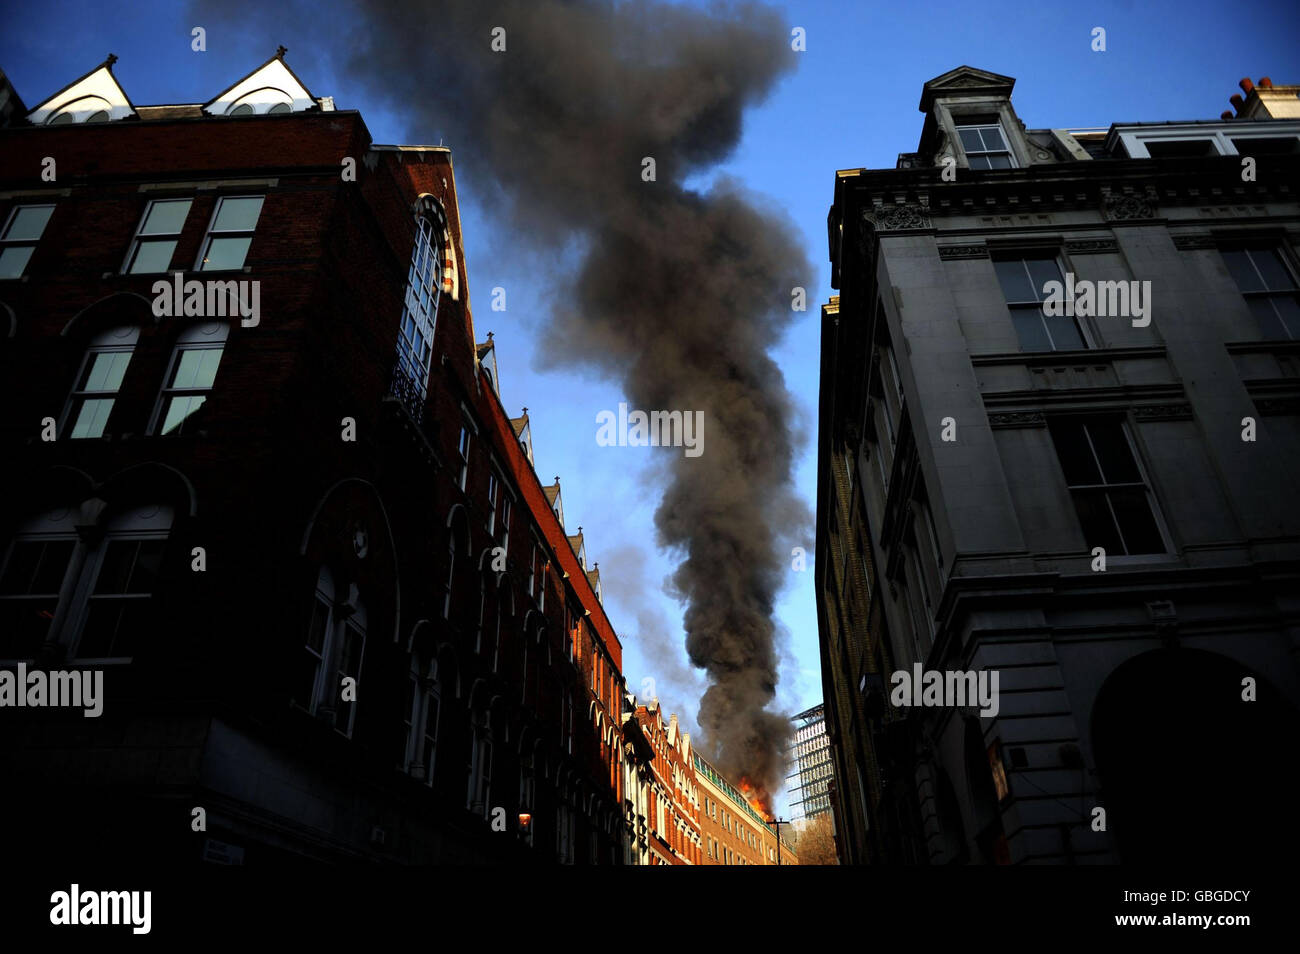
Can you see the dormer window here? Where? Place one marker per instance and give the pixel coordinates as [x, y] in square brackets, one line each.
[984, 143]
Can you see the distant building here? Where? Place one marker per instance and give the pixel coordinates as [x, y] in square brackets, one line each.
[660, 787]
[1096, 504]
[808, 784]
[735, 832]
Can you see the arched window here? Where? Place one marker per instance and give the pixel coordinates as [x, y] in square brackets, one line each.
[333, 654]
[423, 708]
[190, 377]
[268, 100]
[87, 109]
[423, 286]
[457, 536]
[93, 595]
[98, 381]
[479, 795]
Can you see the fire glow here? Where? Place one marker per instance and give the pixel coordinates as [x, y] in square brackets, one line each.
[758, 798]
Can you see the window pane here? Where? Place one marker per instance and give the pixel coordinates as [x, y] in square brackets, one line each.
[14, 259]
[1016, 284]
[105, 371]
[1111, 446]
[970, 139]
[166, 217]
[1266, 316]
[1042, 271]
[238, 215]
[36, 566]
[180, 408]
[1065, 333]
[1288, 310]
[979, 162]
[1270, 265]
[993, 141]
[1074, 453]
[226, 253]
[1096, 521]
[1133, 510]
[92, 418]
[29, 222]
[999, 160]
[152, 256]
[115, 571]
[1241, 269]
[23, 625]
[196, 369]
[1029, 328]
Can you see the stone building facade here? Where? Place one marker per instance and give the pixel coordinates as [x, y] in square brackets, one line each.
[1095, 505]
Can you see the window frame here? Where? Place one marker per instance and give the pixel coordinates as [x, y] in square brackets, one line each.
[1063, 267]
[79, 396]
[140, 237]
[211, 231]
[1277, 247]
[1170, 550]
[187, 341]
[7, 243]
[979, 122]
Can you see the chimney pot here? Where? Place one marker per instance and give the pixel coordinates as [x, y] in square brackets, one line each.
[1266, 83]
[1226, 114]
[1236, 100]
[1246, 85]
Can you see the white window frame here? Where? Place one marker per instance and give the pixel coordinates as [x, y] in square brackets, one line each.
[119, 340]
[209, 336]
[211, 232]
[141, 238]
[7, 243]
[961, 122]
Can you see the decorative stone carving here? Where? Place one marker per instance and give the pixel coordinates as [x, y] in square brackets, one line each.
[1163, 412]
[1091, 246]
[1018, 419]
[1128, 206]
[948, 252]
[893, 218]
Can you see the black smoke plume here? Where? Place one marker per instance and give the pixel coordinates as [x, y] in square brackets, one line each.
[680, 294]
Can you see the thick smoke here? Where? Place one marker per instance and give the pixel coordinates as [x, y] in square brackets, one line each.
[679, 294]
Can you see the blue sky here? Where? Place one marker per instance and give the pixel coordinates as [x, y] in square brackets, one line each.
[851, 102]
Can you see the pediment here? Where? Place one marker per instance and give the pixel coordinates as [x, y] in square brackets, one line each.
[963, 81]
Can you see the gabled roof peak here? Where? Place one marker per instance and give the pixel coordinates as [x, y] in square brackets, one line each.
[965, 81]
[96, 96]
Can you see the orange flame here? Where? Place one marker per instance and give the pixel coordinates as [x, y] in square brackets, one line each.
[758, 797]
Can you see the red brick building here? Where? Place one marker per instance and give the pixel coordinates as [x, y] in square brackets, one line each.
[663, 788]
[334, 606]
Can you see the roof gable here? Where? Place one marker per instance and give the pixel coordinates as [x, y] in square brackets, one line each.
[964, 81]
[270, 85]
[98, 91]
